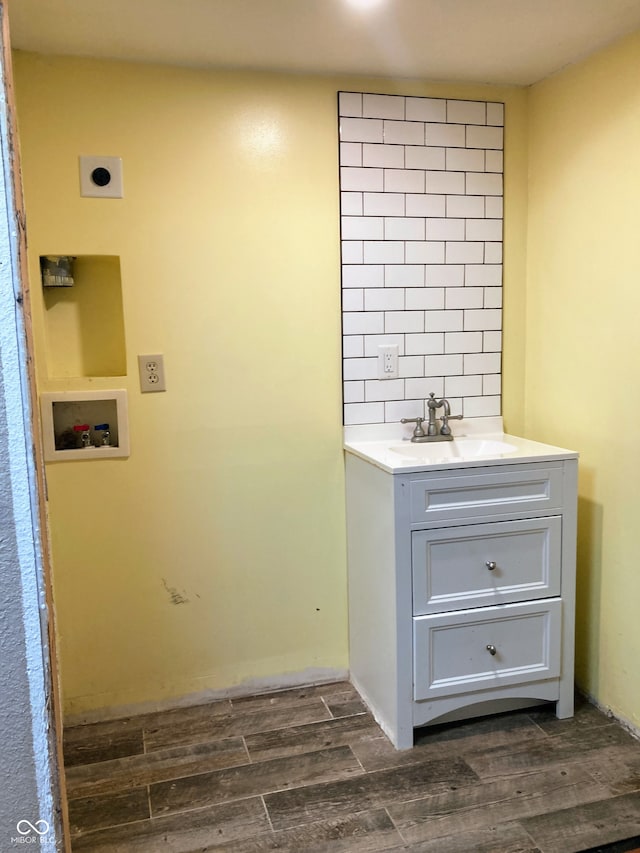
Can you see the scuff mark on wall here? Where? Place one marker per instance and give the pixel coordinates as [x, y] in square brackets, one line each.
[175, 596]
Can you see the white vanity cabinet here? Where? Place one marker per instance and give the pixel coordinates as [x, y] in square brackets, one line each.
[461, 587]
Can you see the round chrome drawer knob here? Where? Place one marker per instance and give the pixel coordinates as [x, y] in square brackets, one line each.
[491, 565]
[491, 649]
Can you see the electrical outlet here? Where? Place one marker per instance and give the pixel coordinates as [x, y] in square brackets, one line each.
[151, 370]
[388, 361]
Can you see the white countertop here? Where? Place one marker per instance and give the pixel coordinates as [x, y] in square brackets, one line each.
[388, 446]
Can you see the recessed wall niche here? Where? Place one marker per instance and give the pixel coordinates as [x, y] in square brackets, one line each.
[84, 321]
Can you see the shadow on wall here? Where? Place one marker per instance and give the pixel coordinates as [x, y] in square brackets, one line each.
[588, 592]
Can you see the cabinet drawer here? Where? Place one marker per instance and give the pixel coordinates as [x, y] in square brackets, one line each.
[495, 493]
[483, 564]
[452, 651]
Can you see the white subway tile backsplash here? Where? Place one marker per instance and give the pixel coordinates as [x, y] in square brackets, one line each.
[484, 229]
[384, 299]
[395, 410]
[431, 344]
[465, 160]
[445, 229]
[495, 114]
[363, 323]
[351, 153]
[425, 205]
[444, 275]
[424, 298]
[467, 112]
[361, 180]
[363, 413]
[352, 252]
[353, 346]
[349, 104]
[488, 183]
[383, 204]
[404, 132]
[353, 392]
[360, 368]
[404, 275]
[463, 386]
[462, 342]
[465, 205]
[404, 180]
[443, 321]
[383, 252]
[361, 130]
[492, 342]
[421, 229]
[367, 275]
[492, 384]
[404, 228]
[494, 207]
[425, 252]
[383, 106]
[383, 389]
[423, 157]
[421, 388]
[353, 300]
[404, 322]
[351, 204]
[464, 297]
[445, 135]
[494, 161]
[484, 137]
[372, 342]
[445, 183]
[362, 228]
[411, 366]
[482, 319]
[486, 362]
[493, 297]
[426, 109]
[483, 275]
[387, 156]
[464, 253]
[443, 365]
[481, 407]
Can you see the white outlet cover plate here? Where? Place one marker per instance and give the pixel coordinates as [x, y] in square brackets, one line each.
[151, 371]
[89, 188]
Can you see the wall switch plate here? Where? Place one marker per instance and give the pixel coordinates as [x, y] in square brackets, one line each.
[101, 177]
[151, 370]
[388, 361]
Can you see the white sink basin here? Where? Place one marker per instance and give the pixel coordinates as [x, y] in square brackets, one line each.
[459, 448]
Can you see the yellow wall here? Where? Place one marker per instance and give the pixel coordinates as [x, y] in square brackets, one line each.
[233, 494]
[583, 351]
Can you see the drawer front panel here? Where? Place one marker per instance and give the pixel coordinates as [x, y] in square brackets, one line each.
[498, 493]
[483, 564]
[453, 651]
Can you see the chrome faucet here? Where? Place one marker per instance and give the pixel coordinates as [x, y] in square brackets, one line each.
[433, 433]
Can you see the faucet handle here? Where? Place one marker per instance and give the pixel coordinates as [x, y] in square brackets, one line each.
[418, 432]
[445, 429]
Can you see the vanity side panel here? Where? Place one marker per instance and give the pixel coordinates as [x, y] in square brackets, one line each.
[564, 705]
[379, 653]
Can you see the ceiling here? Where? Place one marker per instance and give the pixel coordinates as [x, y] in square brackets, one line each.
[486, 41]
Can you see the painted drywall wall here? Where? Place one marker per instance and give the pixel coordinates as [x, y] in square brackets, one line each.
[215, 555]
[582, 362]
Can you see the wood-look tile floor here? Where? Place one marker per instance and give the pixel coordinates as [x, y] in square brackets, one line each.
[309, 770]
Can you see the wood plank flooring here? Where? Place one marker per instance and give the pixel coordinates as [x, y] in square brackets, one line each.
[309, 770]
